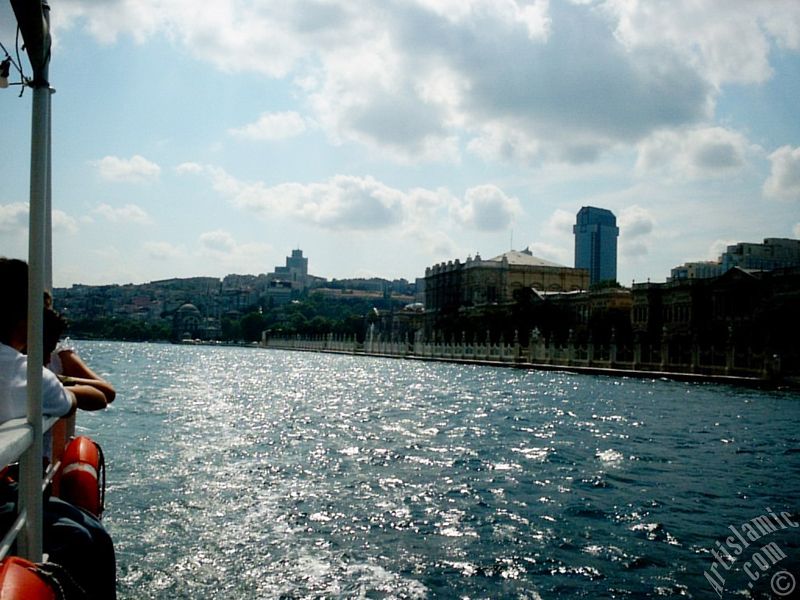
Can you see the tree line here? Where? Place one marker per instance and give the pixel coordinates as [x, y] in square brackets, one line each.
[310, 314]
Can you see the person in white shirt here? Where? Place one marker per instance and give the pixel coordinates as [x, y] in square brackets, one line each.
[72, 538]
[57, 401]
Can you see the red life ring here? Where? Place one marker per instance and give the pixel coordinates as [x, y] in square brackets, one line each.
[83, 475]
[19, 581]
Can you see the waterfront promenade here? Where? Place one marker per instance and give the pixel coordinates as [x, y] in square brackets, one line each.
[722, 365]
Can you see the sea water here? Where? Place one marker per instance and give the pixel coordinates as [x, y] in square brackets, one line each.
[253, 473]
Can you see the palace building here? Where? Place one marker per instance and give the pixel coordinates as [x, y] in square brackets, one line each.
[477, 282]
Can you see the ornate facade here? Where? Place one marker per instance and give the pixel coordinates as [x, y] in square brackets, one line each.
[477, 282]
[752, 309]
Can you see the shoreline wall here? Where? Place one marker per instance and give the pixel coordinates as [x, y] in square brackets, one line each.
[728, 364]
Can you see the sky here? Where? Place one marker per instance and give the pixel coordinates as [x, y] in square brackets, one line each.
[382, 137]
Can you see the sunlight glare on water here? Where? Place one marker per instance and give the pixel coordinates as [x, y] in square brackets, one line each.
[247, 473]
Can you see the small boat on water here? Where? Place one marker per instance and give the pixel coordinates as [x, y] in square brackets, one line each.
[76, 469]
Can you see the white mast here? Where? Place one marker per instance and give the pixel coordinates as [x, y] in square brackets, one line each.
[33, 19]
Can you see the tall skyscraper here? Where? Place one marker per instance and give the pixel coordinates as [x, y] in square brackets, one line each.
[596, 234]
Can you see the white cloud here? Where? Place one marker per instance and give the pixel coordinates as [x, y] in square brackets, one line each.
[784, 178]
[364, 204]
[577, 95]
[570, 81]
[435, 243]
[560, 254]
[694, 154]
[64, 223]
[636, 225]
[341, 203]
[108, 20]
[534, 16]
[796, 231]
[380, 96]
[13, 217]
[498, 142]
[487, 208]
[232, 35]
[416, 80]
[555, 241]
[726, 41]
[718, 247]
[272, 126]
[136, 169]
[164, 251]
[561, 221]
[189, 168]
[217, 241]
[130, 213]
[220, 249]
[635, 221]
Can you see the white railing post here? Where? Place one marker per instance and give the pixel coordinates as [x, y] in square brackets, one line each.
[30, 492]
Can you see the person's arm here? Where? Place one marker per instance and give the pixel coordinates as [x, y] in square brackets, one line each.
[57, 401]
[60, 400]
[99, 384]
[73, 366]
[87, 397]
[74, 401]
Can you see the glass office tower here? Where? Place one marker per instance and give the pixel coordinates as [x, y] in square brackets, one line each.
[596, 234]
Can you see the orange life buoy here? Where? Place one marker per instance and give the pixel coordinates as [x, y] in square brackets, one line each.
[18, 581]
[83, 475]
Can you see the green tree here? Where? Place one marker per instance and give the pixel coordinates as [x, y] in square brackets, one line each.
[231, 329]
[252, 324]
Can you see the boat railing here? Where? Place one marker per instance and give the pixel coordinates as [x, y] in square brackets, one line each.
[16, 438]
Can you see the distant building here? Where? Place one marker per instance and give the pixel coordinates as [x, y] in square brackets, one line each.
[598, 303]
[756, 310]
[278, 292]
[476, 282]
[187, 322]
[295, 271]
[419, 290]
[398, 325]
[696, 270]
[596, 235]
[772, 254]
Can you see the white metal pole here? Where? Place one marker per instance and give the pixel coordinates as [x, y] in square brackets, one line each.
[30, 492]
[48, 200]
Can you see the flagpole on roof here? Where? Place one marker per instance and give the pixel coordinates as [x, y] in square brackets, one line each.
[33, 18]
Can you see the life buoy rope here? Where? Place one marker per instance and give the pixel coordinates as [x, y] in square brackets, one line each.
[60, 580]
[101, 482]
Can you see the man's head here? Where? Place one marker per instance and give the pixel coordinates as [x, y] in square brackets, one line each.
[13, 299]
